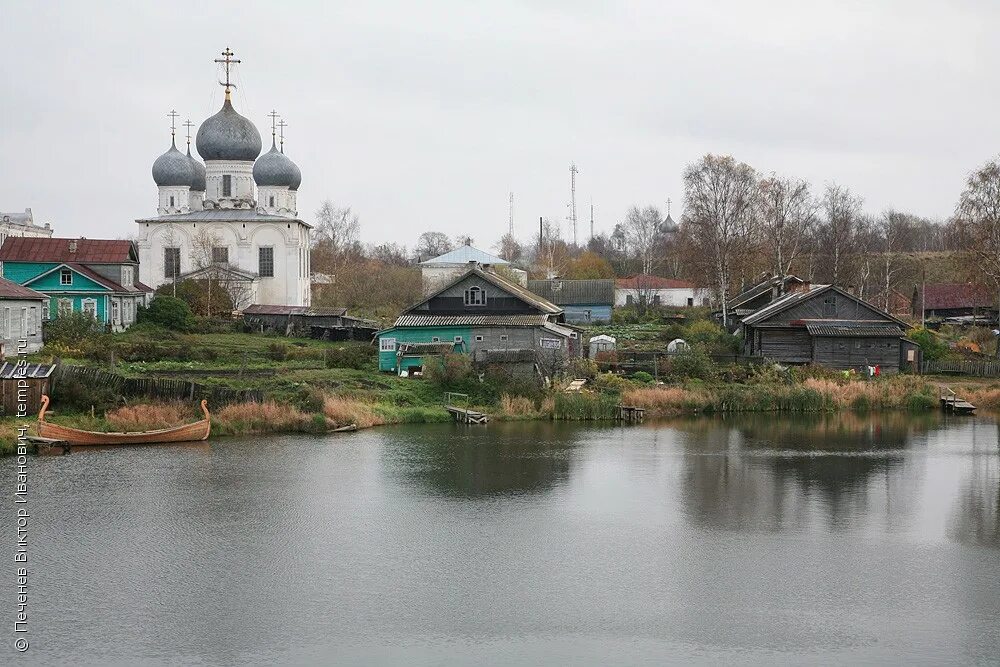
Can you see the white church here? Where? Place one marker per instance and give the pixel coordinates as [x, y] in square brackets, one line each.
[233, 217]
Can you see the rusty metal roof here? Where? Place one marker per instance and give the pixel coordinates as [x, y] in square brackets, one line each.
[89, 251]
[11, 290]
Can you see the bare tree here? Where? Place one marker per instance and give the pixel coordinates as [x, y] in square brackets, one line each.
[720, 196]
[432, 244]
[978, 213]
[839, 231]
[509, 248]
[464, 239]
[787, 212]
[893, 227]
[641, 230]
[203, 247]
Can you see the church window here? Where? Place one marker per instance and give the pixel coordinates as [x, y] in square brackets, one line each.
[65, 307]
[171, 201]
[271, 201]
[171, 262]
[220, 255]
[475, 296]
[65, 277]
[227, 185]
[265, 262]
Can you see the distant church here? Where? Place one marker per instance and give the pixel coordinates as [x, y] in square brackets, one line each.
[233, 218]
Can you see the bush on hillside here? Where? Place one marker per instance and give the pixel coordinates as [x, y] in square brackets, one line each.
[931, 345]
[449, 371]
[72, 329]
[167, 312]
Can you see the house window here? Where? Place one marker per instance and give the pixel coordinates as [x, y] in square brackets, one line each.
[227, 185]
[115, 311]
[6, 322]
[171, 262]
[90, 308]
[458, 339]
[830, 306]
[128, 277]
[220, 255]
[479, 339]
[65, 307]
[386, 344]
[265, 262]
[33, 321]
[45, 310]
[656, 300]
[503, 338]
[690, 303]
[65, 277]
[629, 300]
[22, 322]
[475, 296]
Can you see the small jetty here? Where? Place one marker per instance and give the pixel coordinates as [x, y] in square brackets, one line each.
[48, 446]
[462, 413]
[630, 413]
[951, 402]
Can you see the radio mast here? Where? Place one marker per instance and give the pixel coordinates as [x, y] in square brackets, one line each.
[573, 171]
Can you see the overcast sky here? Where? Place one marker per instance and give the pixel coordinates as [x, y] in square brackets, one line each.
[424, 116]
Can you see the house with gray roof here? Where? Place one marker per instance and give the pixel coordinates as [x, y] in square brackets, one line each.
[438, 271]
[582, 301]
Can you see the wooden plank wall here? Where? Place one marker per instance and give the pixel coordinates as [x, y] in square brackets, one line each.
[8, 395]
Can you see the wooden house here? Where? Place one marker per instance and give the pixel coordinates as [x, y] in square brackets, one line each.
[308, 321]
[823, 324]
[582, 301]
[938, 301]
[753, 298]
[20, 319]
[482, 314]
[96, 277]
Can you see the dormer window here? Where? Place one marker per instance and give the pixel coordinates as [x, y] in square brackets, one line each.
[475, 296]
[65, 277]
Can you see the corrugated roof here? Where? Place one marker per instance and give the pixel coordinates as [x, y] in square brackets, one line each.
[471, 320]
[575, 292]
[223, 215]
[783, 302]
[761, 288]
[265, 309]
[956, 295]
[646, 281]
[11, 290]
[16, 370]
[89, 251]
[464, 255]
[855, 330]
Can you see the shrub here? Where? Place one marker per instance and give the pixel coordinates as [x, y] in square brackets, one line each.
[310, 399]
[168, 312]
[277, 351]
[585, 406]
[73, 329]
[693, 364]
[609, 382]
[930, 343]
[643, 377]
[449, 370]
[516, 406]
[72, 395]
[360, 357]
[582, 368]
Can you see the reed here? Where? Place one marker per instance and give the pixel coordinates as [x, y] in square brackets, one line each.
[148, 416]
[343, 411]
[265, 417]
[516, 407]
[585, 406]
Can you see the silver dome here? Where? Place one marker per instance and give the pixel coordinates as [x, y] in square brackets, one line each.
[172, 168]
[198, 179]
[274, 168]
[228, 136]
[297, 181]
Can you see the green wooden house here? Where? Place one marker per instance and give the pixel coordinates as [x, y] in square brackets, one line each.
[92, 276]
[482, 314]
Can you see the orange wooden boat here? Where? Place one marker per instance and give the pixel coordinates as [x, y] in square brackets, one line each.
[187, 433]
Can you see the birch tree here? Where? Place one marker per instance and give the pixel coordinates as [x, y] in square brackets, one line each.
[978, 214]
[641, 229]
[720, 196]
[839, 230]
[787, 212]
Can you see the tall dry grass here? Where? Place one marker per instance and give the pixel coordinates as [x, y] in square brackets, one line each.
[149, 416]
[514, 407]
[266, 417]
[344, 411]
[664, 401]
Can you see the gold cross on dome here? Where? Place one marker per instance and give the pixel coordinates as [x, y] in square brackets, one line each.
[173, 121]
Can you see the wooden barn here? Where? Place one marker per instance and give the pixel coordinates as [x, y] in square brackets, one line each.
[308, 322]
[937, 301]
[23, 383]
[824, 324]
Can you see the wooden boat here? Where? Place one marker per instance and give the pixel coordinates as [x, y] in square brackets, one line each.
[350, 428]
[187, 433]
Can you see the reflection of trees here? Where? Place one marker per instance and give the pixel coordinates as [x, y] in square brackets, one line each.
[976, 517]
[761, 470]
[501, 459]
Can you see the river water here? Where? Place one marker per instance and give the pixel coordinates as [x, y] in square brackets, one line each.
[758, 540]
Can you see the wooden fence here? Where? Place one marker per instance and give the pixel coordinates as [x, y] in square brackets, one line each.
[153, 387]
[990, 369]
[629, 361]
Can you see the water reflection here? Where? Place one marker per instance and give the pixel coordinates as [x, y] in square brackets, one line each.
[759, 471]
[471, 462]
[976, 517]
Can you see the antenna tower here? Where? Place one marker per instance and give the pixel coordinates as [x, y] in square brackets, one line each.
[510, 224]
[591, 219]
[573, 171]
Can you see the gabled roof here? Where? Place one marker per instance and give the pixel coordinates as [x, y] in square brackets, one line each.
[216, 269]
[646, 281]
[955, 295]
[87, 251]
[511, 288]
[11, 290]
[464, 255]
[575, 292]
[762, 288]
[264, 309]
[470, 321]
[801, 296]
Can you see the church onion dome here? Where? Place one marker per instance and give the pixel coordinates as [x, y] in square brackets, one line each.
[228, 136]
[173, 169]
[297, 181]
[198, 177]
[274, 168]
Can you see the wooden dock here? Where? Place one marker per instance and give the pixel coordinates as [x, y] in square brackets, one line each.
[951, 402]
[630, 413]
[467, 416]
[48, 446]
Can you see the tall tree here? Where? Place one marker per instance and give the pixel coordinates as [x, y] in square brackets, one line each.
[840, 228]
[787, 212]
[432, 244]
[978, 213]
[641, 230]
[720, 196]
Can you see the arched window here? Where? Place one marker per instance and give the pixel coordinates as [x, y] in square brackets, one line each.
[475, 296]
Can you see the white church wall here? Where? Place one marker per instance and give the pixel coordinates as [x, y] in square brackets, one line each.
[242, 185]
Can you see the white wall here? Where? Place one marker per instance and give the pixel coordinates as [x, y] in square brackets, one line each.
[675, 297]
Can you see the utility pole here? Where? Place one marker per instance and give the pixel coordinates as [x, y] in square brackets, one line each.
[573, 171]
[591, 219]
[510, 224]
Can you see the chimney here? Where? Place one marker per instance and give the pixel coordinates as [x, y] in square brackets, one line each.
[72, 245]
